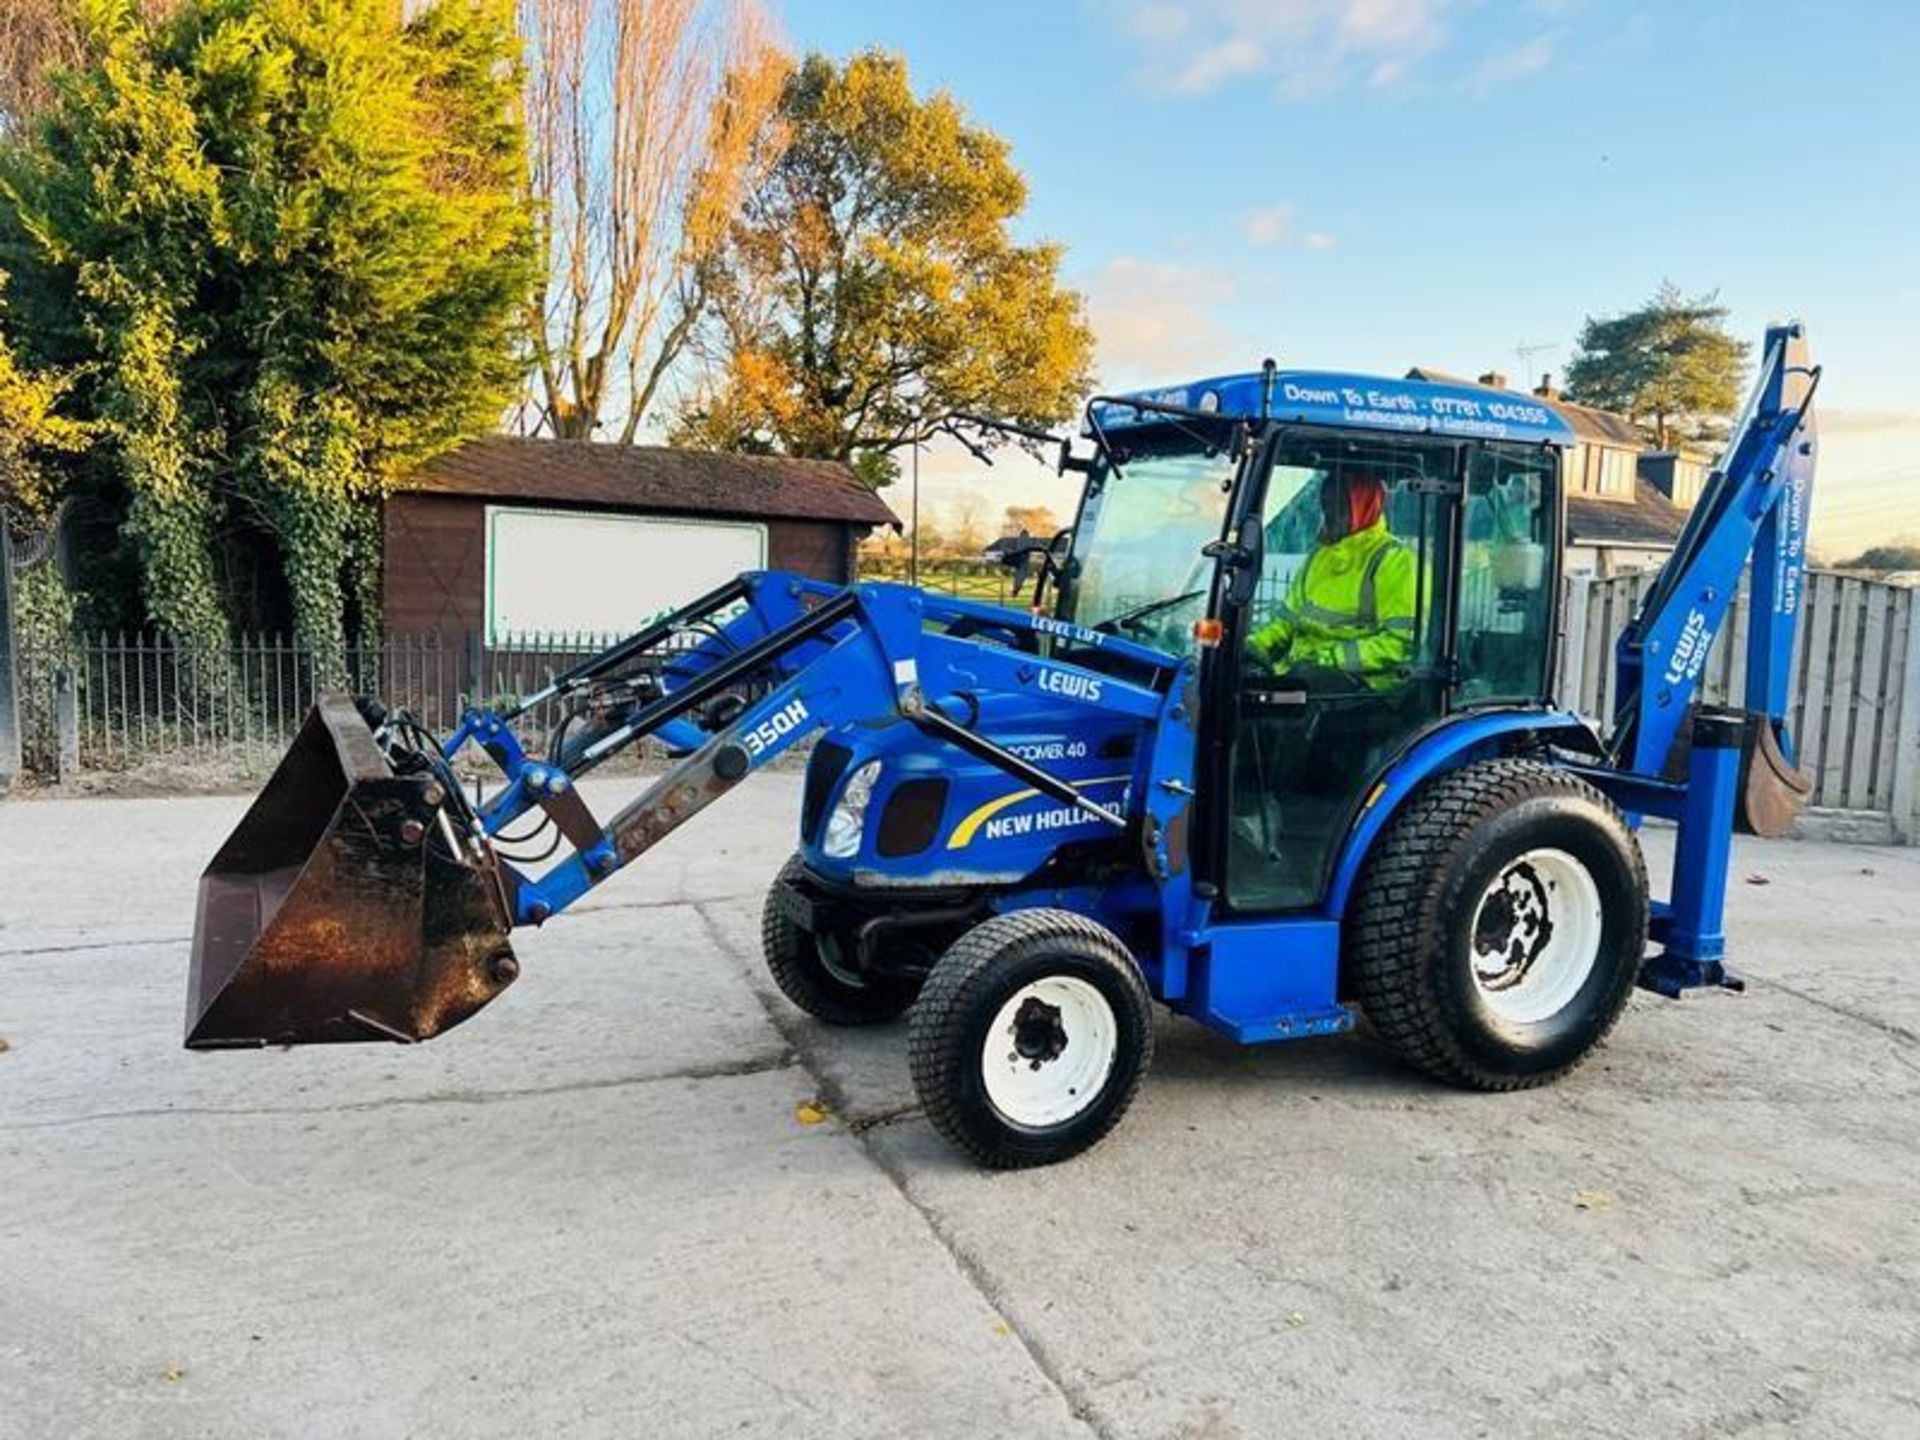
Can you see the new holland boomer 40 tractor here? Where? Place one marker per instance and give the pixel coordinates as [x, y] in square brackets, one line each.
[1271, 787]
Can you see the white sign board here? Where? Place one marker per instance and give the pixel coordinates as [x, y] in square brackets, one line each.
[557, 572]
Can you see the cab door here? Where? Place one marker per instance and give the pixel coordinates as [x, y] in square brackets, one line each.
[1302, 723]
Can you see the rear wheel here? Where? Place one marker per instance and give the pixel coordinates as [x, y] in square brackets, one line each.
[815, 972]
[1030, 1038]
[1499, 926]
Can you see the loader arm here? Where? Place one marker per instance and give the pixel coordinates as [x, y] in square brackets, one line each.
[862, 654]
[282, 968]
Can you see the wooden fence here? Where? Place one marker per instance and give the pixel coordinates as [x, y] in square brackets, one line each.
[1855, 708]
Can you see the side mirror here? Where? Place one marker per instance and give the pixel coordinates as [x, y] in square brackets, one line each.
[1243, 561]
[1016, 553]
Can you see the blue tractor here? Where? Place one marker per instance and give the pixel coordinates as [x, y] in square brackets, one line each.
[1022, 828]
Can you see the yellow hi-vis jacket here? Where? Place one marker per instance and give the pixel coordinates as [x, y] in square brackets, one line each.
[1349, 607]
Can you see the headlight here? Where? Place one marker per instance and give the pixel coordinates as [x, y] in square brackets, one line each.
[849, 818]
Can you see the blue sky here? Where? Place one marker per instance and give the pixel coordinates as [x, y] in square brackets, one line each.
[1371, 184]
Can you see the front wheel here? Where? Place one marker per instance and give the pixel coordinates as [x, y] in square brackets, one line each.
[1030, 1038]
[1500, 924]
[813, 971]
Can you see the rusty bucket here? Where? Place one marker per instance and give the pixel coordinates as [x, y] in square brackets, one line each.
[345, 906]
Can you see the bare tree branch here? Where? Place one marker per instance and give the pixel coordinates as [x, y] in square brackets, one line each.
[646, 119]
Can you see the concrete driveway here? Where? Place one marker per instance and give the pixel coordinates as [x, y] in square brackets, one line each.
[597, 1209]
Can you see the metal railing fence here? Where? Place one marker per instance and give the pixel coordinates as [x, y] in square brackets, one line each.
[140, 700]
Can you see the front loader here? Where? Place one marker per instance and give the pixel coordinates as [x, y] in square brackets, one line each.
[1025, 827]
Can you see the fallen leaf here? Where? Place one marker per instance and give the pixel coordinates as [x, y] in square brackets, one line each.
[4, 1046]
[173, 1374]
[1758, 880]
[1296, 1319]
[810, 1112]
[1001, 1327]
[1593, 1200]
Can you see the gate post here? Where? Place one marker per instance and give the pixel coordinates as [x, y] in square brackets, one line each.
[1906, 736]
[66, 725]
[9, 670]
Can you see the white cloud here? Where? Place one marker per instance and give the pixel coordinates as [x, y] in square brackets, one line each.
[1157, 20]
[1205, 71]
[1151, 320]
[1503, 67]
[1273, 225]
[1303, 47]
[1269, 225]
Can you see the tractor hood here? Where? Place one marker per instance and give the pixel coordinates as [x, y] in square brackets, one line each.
[888, 805]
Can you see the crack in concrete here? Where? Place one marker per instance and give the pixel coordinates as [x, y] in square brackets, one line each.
[595, 908]
[689, 902]
[1078, 1404]
[85, 945]
[1845, 1012]
[757, 1065]
[880, 1119]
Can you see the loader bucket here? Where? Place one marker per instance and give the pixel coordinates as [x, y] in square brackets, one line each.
[345, 906]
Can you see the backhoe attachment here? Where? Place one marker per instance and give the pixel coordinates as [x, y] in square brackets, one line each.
[349, 904]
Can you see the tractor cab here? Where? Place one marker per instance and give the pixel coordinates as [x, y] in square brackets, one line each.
[1352, 559]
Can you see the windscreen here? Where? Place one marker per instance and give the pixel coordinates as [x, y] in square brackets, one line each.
[1137, 566]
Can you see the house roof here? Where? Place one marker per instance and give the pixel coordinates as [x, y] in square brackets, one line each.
[1649, 519]
[650, 477]
[1602, 426]
[1599, 426]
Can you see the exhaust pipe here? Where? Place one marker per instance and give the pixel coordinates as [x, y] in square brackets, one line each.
[348, 904]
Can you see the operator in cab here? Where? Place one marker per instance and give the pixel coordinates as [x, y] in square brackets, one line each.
[1347, 621]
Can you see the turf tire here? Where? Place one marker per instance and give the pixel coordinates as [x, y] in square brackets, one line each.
[1408, 945]
[826, 992]
[971, 983]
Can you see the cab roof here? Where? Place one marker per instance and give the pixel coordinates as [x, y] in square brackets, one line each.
[1362, 402]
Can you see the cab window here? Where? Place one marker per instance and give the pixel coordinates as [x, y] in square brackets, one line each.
[1337, 653]
[1507, 574]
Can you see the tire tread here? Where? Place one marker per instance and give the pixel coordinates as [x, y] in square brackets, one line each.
[938, 1048]
[1395, 924]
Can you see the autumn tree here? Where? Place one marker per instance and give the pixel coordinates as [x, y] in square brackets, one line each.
[1891, 556]
[1669, 365]
[870, 289]
[286, 243]
[1037, 520]
[647, 121]
[34, 436]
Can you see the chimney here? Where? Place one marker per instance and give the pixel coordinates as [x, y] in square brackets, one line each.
[1545, 388]
[1495, 379]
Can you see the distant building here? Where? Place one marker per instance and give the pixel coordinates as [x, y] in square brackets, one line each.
[508, 537]
[1626, 502]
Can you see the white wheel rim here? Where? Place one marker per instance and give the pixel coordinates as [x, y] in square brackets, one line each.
[1536, 936]
[1049, 1051]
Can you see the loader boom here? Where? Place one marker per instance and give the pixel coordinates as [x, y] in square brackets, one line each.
[822, 656]
[861, 654]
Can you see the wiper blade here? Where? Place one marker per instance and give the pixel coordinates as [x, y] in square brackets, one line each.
[1154, 607]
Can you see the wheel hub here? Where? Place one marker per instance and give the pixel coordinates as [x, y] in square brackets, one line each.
[1038, 1035]
[1047, 1055]
[1513, 928]
[1536, 936]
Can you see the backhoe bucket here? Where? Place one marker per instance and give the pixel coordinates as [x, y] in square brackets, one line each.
[348, 905]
